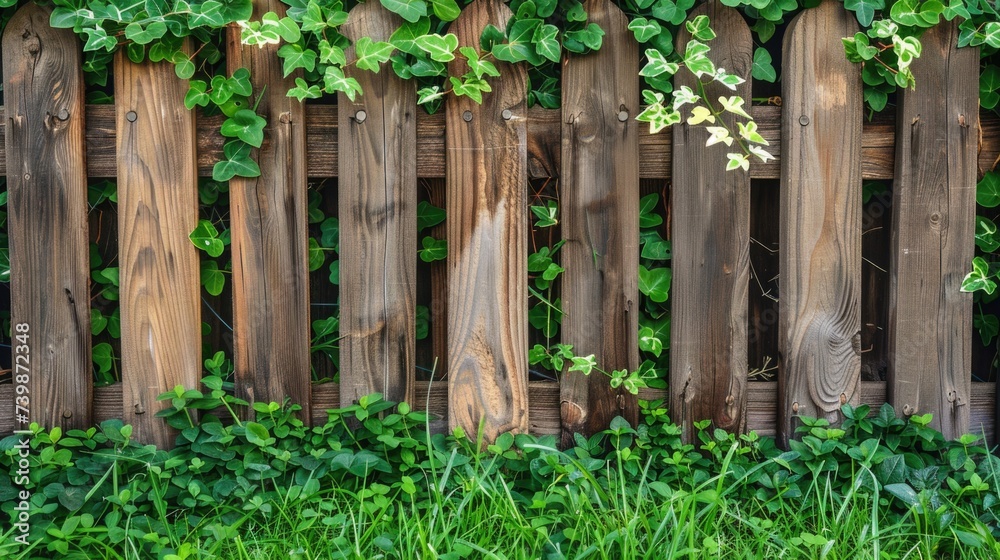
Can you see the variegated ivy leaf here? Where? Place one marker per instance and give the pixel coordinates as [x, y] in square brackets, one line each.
[907, 49]
[372, 54]
[734, 105]
[718, 134]
[658, 117]
[334, 80]
[884, 28]
[699, 115]
[761, 153]
[726, 79]
[657, 65]
[440, 48]
[683, 96]
[699, 28]
[737, 161]
[583, 364]
[428, 94]
[749, 131]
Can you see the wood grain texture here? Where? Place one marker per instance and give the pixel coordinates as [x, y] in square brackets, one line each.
[710, 237]
[159, 266]
[377, 185]
[934, 202]
[819, 319]
[600, 212]
[544, 126]
[487, 243]
[270, 238]
[47, 213]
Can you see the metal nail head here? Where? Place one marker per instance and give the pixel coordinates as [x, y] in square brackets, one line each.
[467, 116]
[507, 114]
[804, 120]
[622, 115]
[131, 116]
[63, 114]
[360, 116]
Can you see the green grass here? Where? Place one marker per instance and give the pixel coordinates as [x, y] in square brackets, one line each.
[373, 483]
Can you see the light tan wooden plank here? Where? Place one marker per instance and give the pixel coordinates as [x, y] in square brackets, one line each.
[159, 267]
[600, 219]
[710, 237]
[819, 320]
[934, 205]
[47, 222]
[378, 223]
[487, 243]
[270, 236]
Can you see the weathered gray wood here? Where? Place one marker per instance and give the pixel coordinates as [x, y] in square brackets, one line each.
[710, 211]
[378, 223]
[270, 239]
[47, 213]
[159, 267]
[487, 243]
[934, 200]
[600, 217]
[820, 302]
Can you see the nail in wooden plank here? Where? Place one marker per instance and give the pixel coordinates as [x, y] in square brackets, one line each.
[934, 203]
[47, 213]
[378, 223]
[487, 243]
[270, 238]
[159, 266]
[600, 209]
[711, 248]
[820, 244]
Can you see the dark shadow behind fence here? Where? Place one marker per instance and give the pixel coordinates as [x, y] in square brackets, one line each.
[380, 144]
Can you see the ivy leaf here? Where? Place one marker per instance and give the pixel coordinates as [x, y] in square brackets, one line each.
[410, 10]
[648, 217]
[196, 96]
[519, 48]
[433, 249]
[649, 342]
[294, 56]
[655, 283]
[245, 125]
[330, 233]
[470, 87]
[236, 10]
[989, 84]
[404, 38]
[988, 190]
[372, 54]
[102, 356]
[979, 278]
[763, 70]
[546, 214]
[206, 237]
[145, 35]
[699, 28]
[440, 48]
[656, 65]
[734, 105]
[285, 27]
[316, 255]
[213, 279]
[591, 36]
[749, 131]
[988, 326]
[546, 41]
[644, 29]
[429, 215]
[904, 12]
[446, 10]
[98, 322]
[335, 80]
[237, 162]
[331, 54]
[207, 14]
[864, 9]
[303, 91]
[986, 238]
[97, 38]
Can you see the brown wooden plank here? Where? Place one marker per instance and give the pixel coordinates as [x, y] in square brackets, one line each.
[600, 210]
[487, 243]
[935, 207]
[819, 319]
[159, 267]
[47, 213]
[377, 184]
[710, 209]
[270, 238]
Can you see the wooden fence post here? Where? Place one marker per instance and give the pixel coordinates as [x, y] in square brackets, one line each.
[487, 243]
[710, 209]
[270, 239]
[377, 185]
[819, 321]
[934, 209]
[47, 213]
[600, 211]
[159, 266]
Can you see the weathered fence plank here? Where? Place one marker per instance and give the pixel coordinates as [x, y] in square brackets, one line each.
[159, 267]
[47, 213]
[710, 211]
[487, 243]
[934, 202]
[600, 217]
[378, 223]
[270, 238]
[820, 261]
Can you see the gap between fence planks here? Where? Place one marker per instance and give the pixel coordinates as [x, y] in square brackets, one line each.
[377, 189]
[819, 317]
[270, 235]
[47, 213]
[544, 130]
[159, 267]
[487, 243]
[710, 236]
[934, 209]
[599, 186]
[544, 405]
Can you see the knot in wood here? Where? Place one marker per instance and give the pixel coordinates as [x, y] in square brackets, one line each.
[935, 219]
[843, 399]
[730, 400]
[285, 118]
[139, 409]
[795, 407]
[31, 42]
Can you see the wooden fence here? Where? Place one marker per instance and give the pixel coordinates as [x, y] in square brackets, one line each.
[486, 153]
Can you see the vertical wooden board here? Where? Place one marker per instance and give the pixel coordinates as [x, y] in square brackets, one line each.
[820, 302]
[933, 227]
[270, 236]
[487, 243]
[600, 209]
[47, 213]
[377, 183]
[159, 267]
[711, 250]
